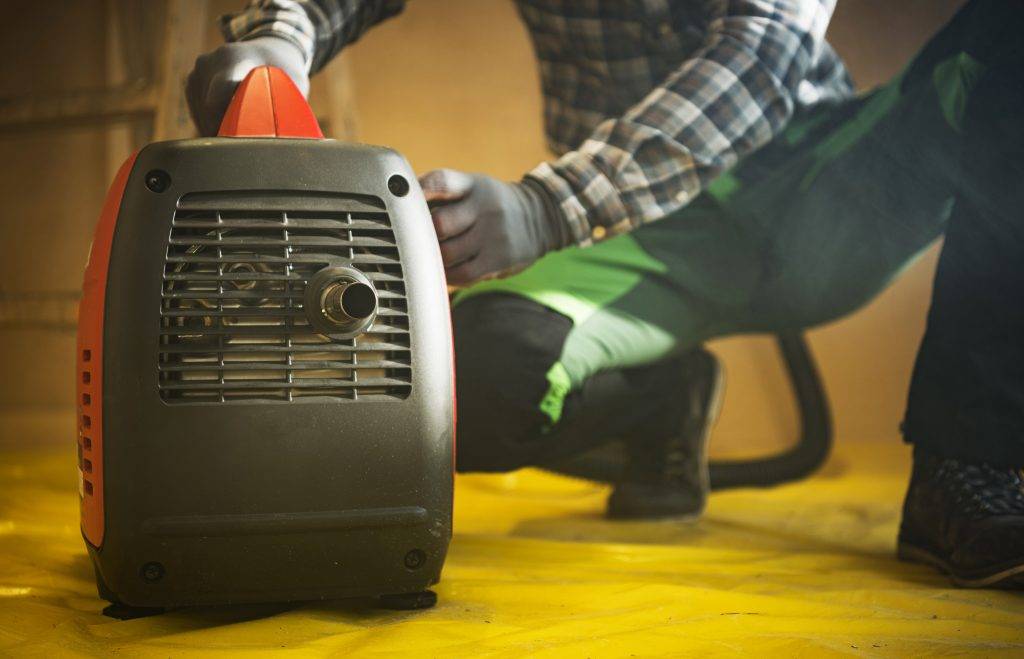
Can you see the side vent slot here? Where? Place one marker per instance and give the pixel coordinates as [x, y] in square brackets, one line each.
[85, 457]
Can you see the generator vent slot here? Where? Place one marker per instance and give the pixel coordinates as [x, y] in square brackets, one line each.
[232, 325]
[85, 423]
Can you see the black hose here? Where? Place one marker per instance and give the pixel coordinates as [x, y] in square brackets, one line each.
[815, 441]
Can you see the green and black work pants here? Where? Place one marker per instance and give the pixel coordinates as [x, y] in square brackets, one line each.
[578, 348]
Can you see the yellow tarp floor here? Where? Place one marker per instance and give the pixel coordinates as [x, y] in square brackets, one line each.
[535, 570]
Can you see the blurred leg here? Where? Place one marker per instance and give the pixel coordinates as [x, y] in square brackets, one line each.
[964, 509]
[967, 396]
[506, 347]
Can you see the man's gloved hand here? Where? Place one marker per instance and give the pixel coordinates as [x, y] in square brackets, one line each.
[488, 227]
[216, 74]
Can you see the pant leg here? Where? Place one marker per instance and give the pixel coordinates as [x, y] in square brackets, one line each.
[506, 345]
[967, 394]
[804, 231]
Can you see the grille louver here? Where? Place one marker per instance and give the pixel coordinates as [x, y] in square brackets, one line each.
[232, 323]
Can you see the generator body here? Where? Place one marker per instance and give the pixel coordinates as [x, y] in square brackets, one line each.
[265, 378]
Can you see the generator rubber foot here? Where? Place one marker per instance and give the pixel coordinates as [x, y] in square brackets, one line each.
[120, 611]
[424, 599]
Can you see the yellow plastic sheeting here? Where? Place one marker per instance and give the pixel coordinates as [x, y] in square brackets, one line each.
[535, 570]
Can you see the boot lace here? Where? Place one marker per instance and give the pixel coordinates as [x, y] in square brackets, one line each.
[982, 490]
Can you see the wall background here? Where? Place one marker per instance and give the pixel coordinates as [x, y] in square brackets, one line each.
[450, 83]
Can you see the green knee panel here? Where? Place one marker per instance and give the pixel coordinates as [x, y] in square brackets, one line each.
[805, 230]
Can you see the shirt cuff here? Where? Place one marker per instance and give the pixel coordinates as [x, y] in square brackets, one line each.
[589, 202]
[286, 20]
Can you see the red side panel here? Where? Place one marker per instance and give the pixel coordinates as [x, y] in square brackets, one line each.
[89, 374]
[268, 104]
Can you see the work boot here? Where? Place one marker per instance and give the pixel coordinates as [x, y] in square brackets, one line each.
[666, 472]
[965, 519]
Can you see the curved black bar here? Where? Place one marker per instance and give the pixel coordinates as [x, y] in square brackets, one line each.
[815, 441]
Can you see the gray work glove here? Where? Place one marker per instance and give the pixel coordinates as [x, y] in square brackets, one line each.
[213, 79]
[487, 227]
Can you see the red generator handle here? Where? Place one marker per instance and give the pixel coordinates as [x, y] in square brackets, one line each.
[268, 104]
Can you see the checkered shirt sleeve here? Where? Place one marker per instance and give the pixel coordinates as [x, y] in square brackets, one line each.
[731, 97]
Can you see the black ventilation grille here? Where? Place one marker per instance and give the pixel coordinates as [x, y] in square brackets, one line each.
[232, 324]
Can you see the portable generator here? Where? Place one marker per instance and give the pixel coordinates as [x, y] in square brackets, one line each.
[265, 380]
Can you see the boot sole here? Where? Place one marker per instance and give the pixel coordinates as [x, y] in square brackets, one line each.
[714, 410]
[1011, 577]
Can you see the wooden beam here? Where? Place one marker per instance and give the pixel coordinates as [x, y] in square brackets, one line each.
[50, 310]
[76, 108]
[157, 95]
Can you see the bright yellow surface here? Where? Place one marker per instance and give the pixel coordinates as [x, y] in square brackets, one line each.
[535, 570]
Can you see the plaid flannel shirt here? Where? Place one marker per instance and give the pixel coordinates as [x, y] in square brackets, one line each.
[647, 101]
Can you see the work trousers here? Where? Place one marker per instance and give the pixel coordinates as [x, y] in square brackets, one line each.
[579, 347]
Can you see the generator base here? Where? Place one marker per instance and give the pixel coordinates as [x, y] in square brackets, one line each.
[425, 599]
[120, 611]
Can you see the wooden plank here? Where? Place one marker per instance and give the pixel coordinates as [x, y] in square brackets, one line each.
[183, 42]
[49, 310]
[339, 93]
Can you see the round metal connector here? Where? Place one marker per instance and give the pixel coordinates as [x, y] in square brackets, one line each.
[340, 302]
[346, 302]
